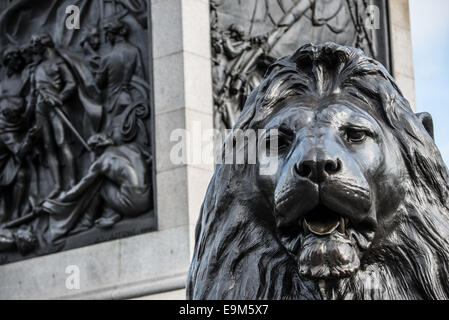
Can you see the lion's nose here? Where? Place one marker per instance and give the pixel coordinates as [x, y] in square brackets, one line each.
[318, 171]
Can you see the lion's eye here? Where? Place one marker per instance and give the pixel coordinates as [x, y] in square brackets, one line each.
[355, 135]
[276, 140]
[282, 139]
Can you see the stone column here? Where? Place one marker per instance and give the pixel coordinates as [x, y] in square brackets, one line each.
[401, 48]
[182, 100]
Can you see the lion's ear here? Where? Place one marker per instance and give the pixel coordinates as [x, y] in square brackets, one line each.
[427, 122]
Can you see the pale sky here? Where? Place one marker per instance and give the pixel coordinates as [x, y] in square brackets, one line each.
[430, 37]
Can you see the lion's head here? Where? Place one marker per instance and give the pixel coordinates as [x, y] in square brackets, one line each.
[358, 206]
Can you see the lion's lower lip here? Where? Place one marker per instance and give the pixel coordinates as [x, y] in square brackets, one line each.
[322, 221]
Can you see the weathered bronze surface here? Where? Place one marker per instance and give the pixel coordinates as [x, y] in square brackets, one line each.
[75, 125]
[358, 206]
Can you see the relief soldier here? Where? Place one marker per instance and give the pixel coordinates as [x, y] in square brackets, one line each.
[55, 84]
[90, 44]
[15, 142]
[117, 70]
[117, 180]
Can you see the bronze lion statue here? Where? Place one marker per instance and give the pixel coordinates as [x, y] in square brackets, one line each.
[358, 206]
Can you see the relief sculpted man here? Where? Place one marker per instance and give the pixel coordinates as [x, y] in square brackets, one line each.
[15, 138]
[115, 187]
[54, 84]
[116, 71]
[358, 207]
[91, 44]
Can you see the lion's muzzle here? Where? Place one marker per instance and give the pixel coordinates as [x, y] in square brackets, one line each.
[325, 200]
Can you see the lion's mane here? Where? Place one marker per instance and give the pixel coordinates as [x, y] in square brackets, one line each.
[238, 254]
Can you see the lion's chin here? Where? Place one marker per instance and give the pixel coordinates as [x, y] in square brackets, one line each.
[330, 256]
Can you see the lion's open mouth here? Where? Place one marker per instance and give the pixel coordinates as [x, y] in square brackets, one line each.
[327, 249]
[322, 221]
